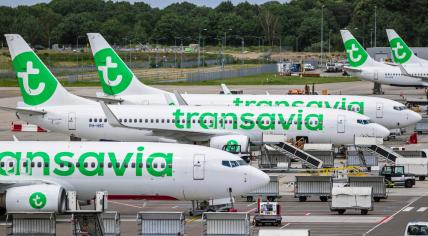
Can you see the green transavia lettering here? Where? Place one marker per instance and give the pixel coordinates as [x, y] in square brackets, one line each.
[247, 121]
[90, 163]
[340, 104]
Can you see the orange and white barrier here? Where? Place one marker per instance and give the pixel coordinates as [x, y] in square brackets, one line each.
[26, 128]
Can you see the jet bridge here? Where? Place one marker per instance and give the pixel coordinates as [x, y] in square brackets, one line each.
[297, 154]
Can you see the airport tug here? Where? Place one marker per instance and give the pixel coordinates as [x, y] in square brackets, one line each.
[267, 213]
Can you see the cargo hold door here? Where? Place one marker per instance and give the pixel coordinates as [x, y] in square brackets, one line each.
[198, 166]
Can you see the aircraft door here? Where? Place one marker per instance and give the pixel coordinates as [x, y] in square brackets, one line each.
[379, 110]
[376, 76]
[340, 124]
[198, 166]
[72, 121]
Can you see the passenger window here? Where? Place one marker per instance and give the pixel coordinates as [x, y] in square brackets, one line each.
[109, 165]
[147, 165]
[125, 120]
[163, 120]
[155, 165]
[130, 120]
[117, 164]
[120, 120]
[93, 164]
[141, 120]
[162, 165]
[33, 164]
[77, 164]
[1, 164]
[95, 120]
[140, 165]
[105, 120]
[135, 120]
[46, 164]
[133, 165]
[170, 165]
[39, 164]
[146, 120]
[102, 165]
[11, 164]
[157, 120]
[90, 119]
[24, 164]
[85, 164]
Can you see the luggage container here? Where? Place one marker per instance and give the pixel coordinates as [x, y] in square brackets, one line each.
[217, 223]
[415, 166]
[31, 224]
[111, 222]
[377, 183]
[269, 191]
[284, 232]
[351, 198]
[313, 186]
[326, 156]
[160, 223]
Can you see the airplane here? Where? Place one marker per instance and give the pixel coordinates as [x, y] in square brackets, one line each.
[401, 53]
[366, 68]
[120, 85]
[35, 175]
[47, 104]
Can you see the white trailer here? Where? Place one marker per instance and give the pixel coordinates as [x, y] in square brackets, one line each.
[351, 198]
[416, 166]
[284, 232]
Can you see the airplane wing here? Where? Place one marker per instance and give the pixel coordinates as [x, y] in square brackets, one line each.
[167, 133]
[390, 63]
[105, 99]
[180, 99]
[404, 72]
[351, 69]
[24, 110]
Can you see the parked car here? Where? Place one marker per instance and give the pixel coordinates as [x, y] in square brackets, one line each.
[309, 67]
[416, 228]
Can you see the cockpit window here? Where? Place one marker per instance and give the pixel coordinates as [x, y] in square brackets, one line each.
[233, 163]
[226, 163]
[400, 108]
[363, 121]
[242, 162]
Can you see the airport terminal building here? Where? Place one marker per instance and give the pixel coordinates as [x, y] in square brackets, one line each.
[384, 53]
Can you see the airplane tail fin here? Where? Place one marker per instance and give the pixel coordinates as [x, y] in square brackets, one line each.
[401, 53]
[38, 85]
[357, 55]
[115, 76]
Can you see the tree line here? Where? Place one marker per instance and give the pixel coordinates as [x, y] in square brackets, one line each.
[295, 25]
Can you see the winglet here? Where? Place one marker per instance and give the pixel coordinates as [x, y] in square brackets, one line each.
[111, 117]
[225, 89]
[180, 99]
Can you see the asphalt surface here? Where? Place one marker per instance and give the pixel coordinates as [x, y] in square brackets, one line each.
[389, 217]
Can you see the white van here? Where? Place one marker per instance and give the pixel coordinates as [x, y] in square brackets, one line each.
[416, 228]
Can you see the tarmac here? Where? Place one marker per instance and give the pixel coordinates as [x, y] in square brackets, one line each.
[389, 216]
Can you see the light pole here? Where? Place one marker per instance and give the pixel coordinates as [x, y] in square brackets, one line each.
[329, 45]
[322, 33]
[375, 24]
[223, 47]
[199, 47]
[77, 52]
[371, 37]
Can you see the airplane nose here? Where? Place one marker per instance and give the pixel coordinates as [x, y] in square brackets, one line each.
[414, 117]
[259, 178]
[381, 131]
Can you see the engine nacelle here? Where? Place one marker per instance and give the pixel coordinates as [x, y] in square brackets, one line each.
[231, 143]
[36, 198]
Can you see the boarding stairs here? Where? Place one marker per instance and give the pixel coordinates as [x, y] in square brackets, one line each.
[296, 154]
[383, 152]
[88, 223]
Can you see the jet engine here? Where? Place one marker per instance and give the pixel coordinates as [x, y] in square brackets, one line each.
[35, 198]
[238, 144]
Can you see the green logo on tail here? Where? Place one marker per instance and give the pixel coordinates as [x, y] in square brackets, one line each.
[114, 74]
[355, 52]
[400, 52]
[37, 200]
[36, 82]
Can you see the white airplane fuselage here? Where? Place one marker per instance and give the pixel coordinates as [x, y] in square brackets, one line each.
[385, 112]
[128, 170]
[318, 125]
